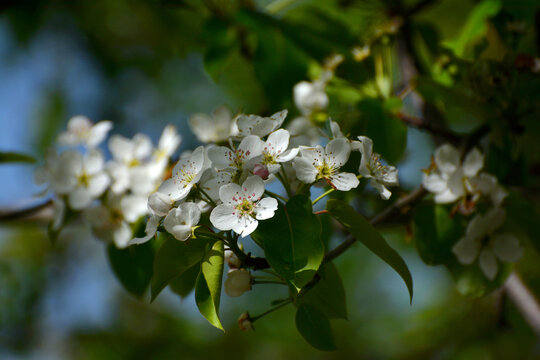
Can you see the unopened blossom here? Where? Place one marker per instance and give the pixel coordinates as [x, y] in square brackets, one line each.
[234, 160]
[310, 97]
[238, 282]
[242, 207]
[214, 129]
[258, 125]
[80, 130]
[275, 151]
[451, 179]
[89, 174]
[181, 220]
[316, 163]
[231, 259]
[185, 174]
[244, 322]
[371, 167]
[482, 242]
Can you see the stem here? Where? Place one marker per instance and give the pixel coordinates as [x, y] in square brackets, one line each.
[329, 191]
[21, 214]
[201, 190]
[273, 194]
[213, 235]
[255, 318]
[285, 180]
[255, 282]
[524, 300]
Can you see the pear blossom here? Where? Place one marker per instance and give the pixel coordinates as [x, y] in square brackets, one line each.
[258, 125]
[275, 150]
[80, 130]
[231, 259]
[309, 97]
[213, 180]
[224, 158]
[483, 242]
[167, 145]
[303, 132]
[380, 175]
[238, 282]
[56, 171]
[242, 207]
[452, 180]
[180, 221]
[214, 129]
[186, 173]
[90, 178]
[316, 163]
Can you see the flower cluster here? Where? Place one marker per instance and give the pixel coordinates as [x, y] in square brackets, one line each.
[454, 181]
[113, 194]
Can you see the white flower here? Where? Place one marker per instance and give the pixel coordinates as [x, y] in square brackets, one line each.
[160, 203]
[453, 180]
[275, 151]
[310, 97]
[150, 230]
[370, 167]
[238, 282]
[481, 241]
[89, 174]
[185, 174]
[258, 125]
[224, 158]
[56, 172]
[303, 132]
[213, 129]
[181, 220]
[167, 145]
[213, 180]
[242, 207]
[317, 163]
[80, 130]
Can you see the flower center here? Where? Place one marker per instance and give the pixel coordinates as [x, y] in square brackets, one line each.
[245, 208]
[325, 170]
[375, 167]
[268, 159]
[84, 179]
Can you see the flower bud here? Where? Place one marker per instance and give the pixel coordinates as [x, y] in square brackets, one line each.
[261, 171]
[244, 322]
[237, 283]
[159, 203]
[233, 260]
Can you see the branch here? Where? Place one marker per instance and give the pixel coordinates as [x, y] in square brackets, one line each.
[24, 214]
[524, 300]
[422, 125]
[377, 219]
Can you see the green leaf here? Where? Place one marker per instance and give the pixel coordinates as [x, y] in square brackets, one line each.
[328, 295]
[9, 157]
[208, 286]
[315, 328]
[184, 284]
[435, 232]
[292, 241]
[364, 232]
[133, 266]
[173, 259]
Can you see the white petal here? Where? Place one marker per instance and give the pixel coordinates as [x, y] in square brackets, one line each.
[366, 150]
[253, 188]
[445, 197]
[221, 157]
[488, 263]
[344, 181]
[79, 124]
[230, 193]
[390, 176]
[80, 198]
[175, 223]
[120, 175]
[59, 207]
[466, 250]
[142, 146]
[474, 161]
[455, 183]
[169, 140]
[279, 117]
[160, 203]
[245, 226]
[190, 212]
[93, 162]
[383, 191]
[122, 235]
[142, 180]
[266, 208]
[313, 155]
[133, 207]
[249, 147]
[447, 158]
[98, 133]
[494, 219]
[237, 283]
[277, 142]
[151, 229]
[434, 182]
[224, 217]
[337, 152]
[287, 155]
[121, 148]
[98, 183]
[305, 171]
[507, 247]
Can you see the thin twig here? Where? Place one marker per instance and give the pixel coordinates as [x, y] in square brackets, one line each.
[24, 214]
[524, 300]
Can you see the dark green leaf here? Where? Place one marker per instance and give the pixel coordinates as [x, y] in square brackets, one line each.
[184, 284]
[174, 258]
[328, 295]
[9, 157]
[364, 232]
[208, 286]
[133, 266]
[315, 328]
[292, 241]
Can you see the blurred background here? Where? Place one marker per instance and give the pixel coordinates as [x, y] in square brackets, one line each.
[145, 64]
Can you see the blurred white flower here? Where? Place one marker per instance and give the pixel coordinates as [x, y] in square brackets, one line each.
[303, 132]
[258, 125]
[180, 221]
[238, 282]
[310, 97]
[481, 241]
[242, 207]
[167, 145]
[213, 129]
[370, 167]
[80, 130]
[317, 163]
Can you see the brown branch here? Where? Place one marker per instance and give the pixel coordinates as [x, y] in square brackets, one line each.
[24, 214]
[524, 300]
[377, 219]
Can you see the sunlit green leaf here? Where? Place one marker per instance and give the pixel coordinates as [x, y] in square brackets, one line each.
[208, 285]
